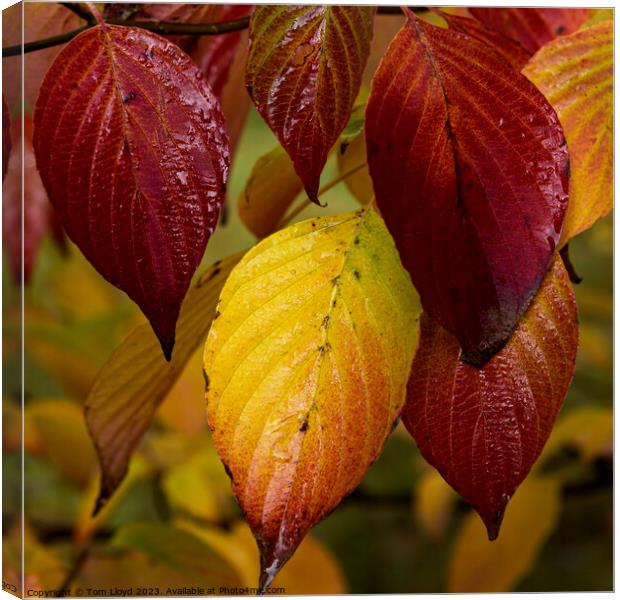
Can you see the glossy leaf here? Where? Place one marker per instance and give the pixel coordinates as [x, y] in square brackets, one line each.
[483, 429]
[304, 72]
[269, 192]
[6, 137]
[512, 52]
[479, 566]
[135, 159]
[37, 213]
[306, 366]
[134, 381]
[469, 167]
[531, 27]
[575, 73]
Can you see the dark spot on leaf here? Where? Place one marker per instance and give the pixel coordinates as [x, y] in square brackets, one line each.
[128, 97]
[343, 147]
[206, 377]
[356, 274]
[148, 54]
[325, 322]
[304, 426]
[560, 30]
[216, 315]
[356, 241]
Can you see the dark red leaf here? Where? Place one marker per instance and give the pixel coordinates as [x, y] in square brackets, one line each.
[214, 54]
[512, 52]
[531, 27]
[304, 72]
[132, 149]
[6, 137]
[469, 168]
[37, 208]
[483, 429]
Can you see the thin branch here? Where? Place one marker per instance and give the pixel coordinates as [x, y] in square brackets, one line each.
[161, 27]
[79, 10]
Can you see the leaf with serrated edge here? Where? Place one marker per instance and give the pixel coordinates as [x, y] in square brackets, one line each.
[306, 368]
[575, 73]
[469, 168]
[132, 149]
[531, 27]
[303, 74]
[135, 380]
[483, 429]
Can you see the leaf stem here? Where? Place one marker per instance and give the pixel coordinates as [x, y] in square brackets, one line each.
[328, 186]
[161, 27]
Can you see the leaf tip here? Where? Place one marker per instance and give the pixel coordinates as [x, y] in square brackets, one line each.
[267, 573]
[493, 522]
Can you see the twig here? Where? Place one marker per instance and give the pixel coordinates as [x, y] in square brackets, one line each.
[161, 27]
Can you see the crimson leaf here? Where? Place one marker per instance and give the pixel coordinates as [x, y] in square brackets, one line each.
[303, 74]
[132, 149]
[531, 27]
[469, 167]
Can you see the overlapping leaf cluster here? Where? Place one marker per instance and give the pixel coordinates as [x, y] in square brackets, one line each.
[481, 148]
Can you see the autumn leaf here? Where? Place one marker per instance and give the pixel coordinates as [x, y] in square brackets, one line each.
[483, 429]
[575, 73]
[6, 137]
[512, 52]
[135, 159]
[269, 192]
[531, 27]
[135, 380]
[306, 366]
[179, 550]
[479, 566]
[469, 168]
[350, 156]
[38, 214]
[41, 20]
[303, 74]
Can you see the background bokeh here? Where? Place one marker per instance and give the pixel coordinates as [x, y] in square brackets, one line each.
[174, 522]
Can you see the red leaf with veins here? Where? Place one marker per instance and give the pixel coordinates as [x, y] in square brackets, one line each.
[469, 168]
[132, 149]
[512, 52]
[483, 429]
[304, 72]
[531, 27]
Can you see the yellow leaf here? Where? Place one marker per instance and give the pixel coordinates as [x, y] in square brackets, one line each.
[359, 183]
[136, 378]
[199, 486]
[479, 566]
[58, 426]
[434, 503]
[589, 429]
[575, 73]
[270, 190]
[313, 569]
[307, 364]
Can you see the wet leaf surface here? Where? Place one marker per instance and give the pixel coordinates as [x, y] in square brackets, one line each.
[469, 167]
[575, 73]
[483, 429]
[531, 27]
[132, 149]
[136, 378]
[306, 367]
[304, 72]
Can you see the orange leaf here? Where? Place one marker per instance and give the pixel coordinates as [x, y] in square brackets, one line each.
[483, 429]
[575, 73]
